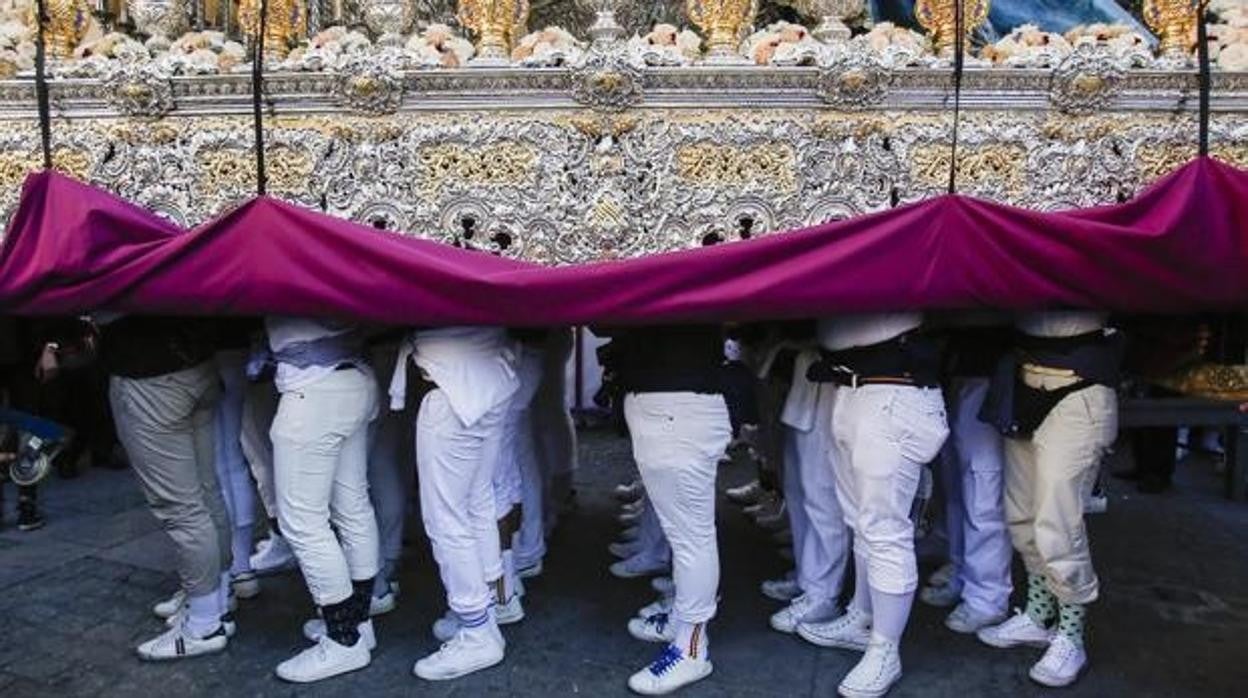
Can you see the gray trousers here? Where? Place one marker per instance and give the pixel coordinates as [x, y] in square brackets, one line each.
[166, 426]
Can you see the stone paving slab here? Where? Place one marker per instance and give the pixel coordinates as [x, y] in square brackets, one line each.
[75, 599]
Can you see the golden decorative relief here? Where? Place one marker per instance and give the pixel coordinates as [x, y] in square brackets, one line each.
[1213, 381]
[225, 171]
[770, 165]
[998, 164]
[497, 24]
[502, 164]
[283, 26]
[723, 21]
[1157, 161]
[15, 166]
[1232, 153]
[939, 18]
[1175, 22]
[68, 22]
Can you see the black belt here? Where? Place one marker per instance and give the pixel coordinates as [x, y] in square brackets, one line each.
[845, 377]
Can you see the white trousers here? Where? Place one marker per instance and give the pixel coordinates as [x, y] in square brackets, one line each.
[391, 464]
[516, 476]
[678, 439]
[883, 435]
[1046, 481]
[233, 473]
[320, 469]
[259, 408]
[820, 537]
[972, 471]
[456, 473]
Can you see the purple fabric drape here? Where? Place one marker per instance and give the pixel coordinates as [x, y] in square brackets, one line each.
[1180, 246]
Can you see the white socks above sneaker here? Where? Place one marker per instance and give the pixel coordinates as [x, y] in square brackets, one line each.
[889, 613]
[203, 613]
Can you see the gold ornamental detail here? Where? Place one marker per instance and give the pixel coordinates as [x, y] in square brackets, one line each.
[497, 24]
[1174, 21]
[770, 165]
[284, 26]
[501, 164]
[16, 165]
[997, 165]
[68, 21]
[939, 18]
[723, 22]
[287, 171]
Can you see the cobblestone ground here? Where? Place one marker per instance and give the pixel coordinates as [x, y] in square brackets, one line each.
[74, 600]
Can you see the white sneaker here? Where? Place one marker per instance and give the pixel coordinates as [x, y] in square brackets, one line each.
[245, 585]
[654, 628]
[378, 605]
[967, 620]
[803, 609]
[170, 607]
[227, 621]
[851, 631]
[942, 596]
[670, 671]
[783, 590]
[635, 567]
[661, 605]
[314, 630]
[663, 585]
[176, 604]
[178, 643]
[1019, 630]
[510, 612]
[1061, 663]
[943, 575]
[324, 659]
[746, 494]
[533, 570]
[623, 551]
[470, 650]
[875, 673]
[273, 556]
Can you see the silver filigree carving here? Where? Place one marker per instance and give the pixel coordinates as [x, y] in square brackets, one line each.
[607, 79]
[1087, 80]
[140, 89]
[161, 20]
[853, 78]
[389, 20]
[371, 83]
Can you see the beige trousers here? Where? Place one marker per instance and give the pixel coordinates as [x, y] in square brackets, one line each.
[1046, 478]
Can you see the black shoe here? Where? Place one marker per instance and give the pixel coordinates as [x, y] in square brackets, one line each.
[28, 516]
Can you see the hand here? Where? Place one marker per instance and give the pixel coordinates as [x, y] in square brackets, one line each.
[48, 366]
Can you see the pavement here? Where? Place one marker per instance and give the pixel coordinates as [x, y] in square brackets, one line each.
[75, 599]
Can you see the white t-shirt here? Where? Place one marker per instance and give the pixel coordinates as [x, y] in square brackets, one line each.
[849, 331]
[1062, 323]
[474, 366]
[285, 331]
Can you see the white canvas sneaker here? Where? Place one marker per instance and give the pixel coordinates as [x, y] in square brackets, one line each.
[533, 570]
[324, 659]
[273, 556]
[655, 628]
[851, 631]
[314, 630]
[1019, 630]
[783, 590]
[967, 620]
[176, 604]
[379, 605]
[661, 605]
[636, 566]
[875, 673]
[672, 670]
[510, 612]
[470, 650]
[941, 596]
[1061, 663]
[179, 643]
[803, 609]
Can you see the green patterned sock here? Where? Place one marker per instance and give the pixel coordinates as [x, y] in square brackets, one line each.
[1070, 621]
[1041, 604]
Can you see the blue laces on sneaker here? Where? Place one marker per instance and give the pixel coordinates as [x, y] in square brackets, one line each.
[668, 658]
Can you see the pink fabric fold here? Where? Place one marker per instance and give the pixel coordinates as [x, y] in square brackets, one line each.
[1180, 246]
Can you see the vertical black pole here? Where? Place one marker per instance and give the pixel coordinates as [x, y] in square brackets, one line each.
[41, 84]
[257, 93]
[1202, 52]
[959, 46]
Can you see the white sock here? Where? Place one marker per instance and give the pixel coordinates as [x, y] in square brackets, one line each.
[202, 616]
[889, 614]
[223, 595]
[692, 639]
[240, 546]
[862, 587]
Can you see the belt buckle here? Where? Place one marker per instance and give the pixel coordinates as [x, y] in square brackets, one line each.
[853, 375]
